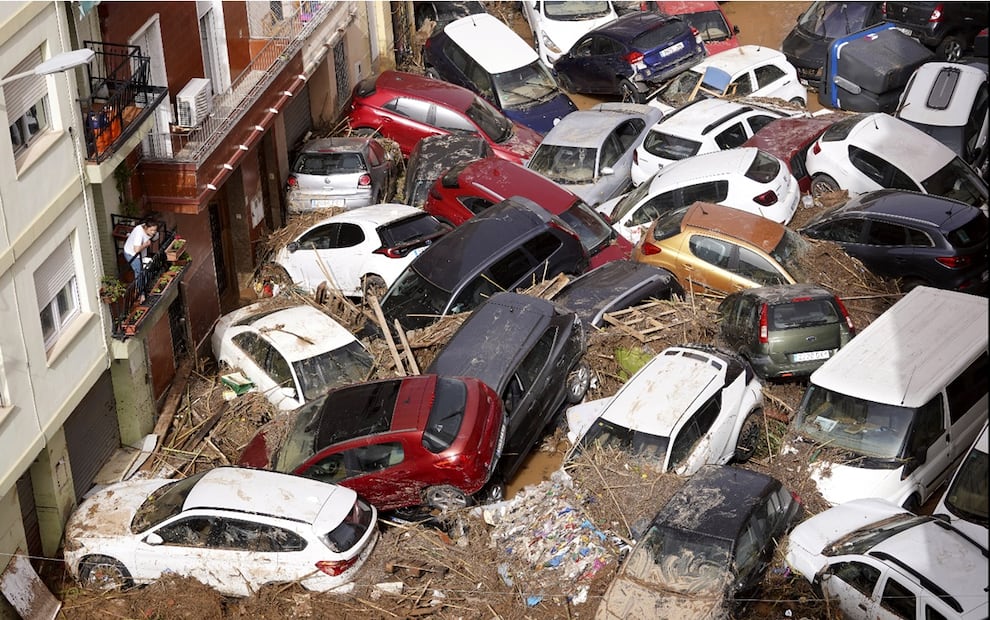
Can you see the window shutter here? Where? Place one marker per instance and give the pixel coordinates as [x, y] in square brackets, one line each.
[23, 93]
[54, 274]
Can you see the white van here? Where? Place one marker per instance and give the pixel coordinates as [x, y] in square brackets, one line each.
[965, 502]
[895, 410]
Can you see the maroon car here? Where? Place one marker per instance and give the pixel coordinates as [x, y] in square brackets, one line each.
[406, 107]
[467, 189]
[403, 442]
[789, 139]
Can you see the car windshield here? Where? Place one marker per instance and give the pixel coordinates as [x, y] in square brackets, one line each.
[412, 298]
[803, 313]
[524, 87]
[350, 531]
[350, 363]
[411, 230]
[765, 168]
[832, 20]
[709, 24]
[789, 254]
[324, 164]
[676, 92]
[575, 10]
[864, 427]
[865, 538]
[958, 181]
[446, 414]
[164, 503]
[490, 120]
[670, 147]
[564, 164]
[604, 434]
[680, 561]
[967, 497]
[588, 224]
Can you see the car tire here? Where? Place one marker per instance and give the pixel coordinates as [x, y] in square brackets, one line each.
[749, 435]
[578, 382]
[373, 285]
[798, 101]
[493, 492]
[629, 93]
[101, 572]
[445, 497]
[951, 48]
[823, 184]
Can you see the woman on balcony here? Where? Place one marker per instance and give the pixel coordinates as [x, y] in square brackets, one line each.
[135, 250]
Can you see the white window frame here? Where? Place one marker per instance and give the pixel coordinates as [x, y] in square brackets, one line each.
[26, 100]
[57, 289]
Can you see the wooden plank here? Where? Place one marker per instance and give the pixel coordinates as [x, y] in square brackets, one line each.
[413, 366]
[380, 316]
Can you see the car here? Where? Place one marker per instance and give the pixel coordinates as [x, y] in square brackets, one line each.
[790, 138]
[872, 559]
[614, 286]
[746, 179]
[530, 352]
[400, 443]
[711, 248]
[703, 126]
[406, 107]
[471, 188]
[483, 54]
[231, 528]
[292, 354]
[965, 502]
[661, 414]
[807, 44]
[442, 12]
[433, 155]
[513, 244]
[708, 18]
[359, 252]
[630, 56]
[556, 24]
[784, 331]
[710, 543]
[919, 238]
[949, 28]
[340, 172]
[949, 101]
[590, 152]
[867, 152]
[748, 70]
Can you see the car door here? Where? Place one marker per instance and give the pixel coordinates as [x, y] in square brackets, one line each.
[699, 440]
[381, 169]
[528, 398]
[378, 468]
[928, 446]
[347, 255]
[887, 248]
[617, 154]
[180, 546]
[269, 370]
[865, 588]
[312, 262]
[769, 79]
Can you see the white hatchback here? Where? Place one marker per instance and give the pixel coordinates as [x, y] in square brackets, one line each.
[557, 25]
[359, 251]
[231, 528]
[747, 179]
[686, 407]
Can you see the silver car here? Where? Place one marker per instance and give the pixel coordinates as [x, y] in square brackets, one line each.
[340, 172]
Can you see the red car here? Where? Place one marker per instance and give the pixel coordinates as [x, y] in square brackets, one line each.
[467, 189]
[707, 18]
[790, 138]
[406, 107]
[403, 442]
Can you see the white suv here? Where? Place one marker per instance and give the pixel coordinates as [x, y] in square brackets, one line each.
[558, 25]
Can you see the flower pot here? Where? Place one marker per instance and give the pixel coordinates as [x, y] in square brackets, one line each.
[175, 249]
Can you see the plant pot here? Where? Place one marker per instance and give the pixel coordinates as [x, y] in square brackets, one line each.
[134, 319]
[175, 249]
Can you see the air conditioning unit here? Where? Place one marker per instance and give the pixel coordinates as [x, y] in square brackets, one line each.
[194, 102]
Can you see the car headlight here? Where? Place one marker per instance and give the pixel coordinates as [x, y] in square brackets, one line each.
[550, 45]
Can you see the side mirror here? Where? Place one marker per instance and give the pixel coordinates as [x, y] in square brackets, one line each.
[288, 392]
[607, 170]
[153, 539]
[735, 29]
[292, 247]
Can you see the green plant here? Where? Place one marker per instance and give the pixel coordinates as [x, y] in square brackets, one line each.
[122, 181]
[111, 289]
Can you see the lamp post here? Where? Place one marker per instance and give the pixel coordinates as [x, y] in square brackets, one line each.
[55, 64]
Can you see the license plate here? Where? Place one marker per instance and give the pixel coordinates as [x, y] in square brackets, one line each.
[416, 252]
[673, 49]
[325, 203]
[811, 355]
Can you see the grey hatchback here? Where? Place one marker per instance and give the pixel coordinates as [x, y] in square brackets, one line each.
[785, 331]
[341, 172]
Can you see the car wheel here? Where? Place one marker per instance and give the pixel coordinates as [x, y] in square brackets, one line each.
[578, 382]
[373, 286]
[823, 184]
[494, 491]
[749, 435]
[798, 101]
[951, 48]
[101, 572]
[445, 497]
[629, 93]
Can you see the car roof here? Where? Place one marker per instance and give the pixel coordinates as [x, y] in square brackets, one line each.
[924, 209]
[716, 500]
[631, 25]
[503, 178]
[693, 119]
[490, 42]
[587, 128]
[784, 293]
[908, 148]
[434, 154]
[335, 144]
[419, 86]
[785, 136]
[740, 58]
[587, 294]
[376, 215]
[933, 97]
[714, 164]
[756, 230]
[297, 332]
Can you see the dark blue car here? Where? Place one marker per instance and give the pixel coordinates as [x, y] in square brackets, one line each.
[630, 56]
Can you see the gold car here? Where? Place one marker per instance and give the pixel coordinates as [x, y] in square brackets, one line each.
[711, 248]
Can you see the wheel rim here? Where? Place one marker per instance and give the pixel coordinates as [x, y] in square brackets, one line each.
[579, 380]
[374, 286]
[821, 187]
[628, 94]
[106, 576]
[953, 51]
[446, 498]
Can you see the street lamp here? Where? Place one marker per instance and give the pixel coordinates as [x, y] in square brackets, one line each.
[55, 64]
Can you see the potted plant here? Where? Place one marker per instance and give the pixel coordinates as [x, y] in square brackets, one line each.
[175, 249]
[134, 319]
[111, 289]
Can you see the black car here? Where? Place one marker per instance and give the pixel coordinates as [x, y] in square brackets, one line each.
[530, 352]
[434, 155]
[513, 244]
[948, 28]
[613, 286]
[919, 238]
[442, 12]
[710, 544]
[823, 22]
[630, 55]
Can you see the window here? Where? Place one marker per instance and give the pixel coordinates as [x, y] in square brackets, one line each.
[694, 429]
[322, 238]
[731, 137]
[757, 123]
[411, 108]
[754, 267]
[862, 577]
[188, 532]
[898, 599]
[882, 233]
[768, 74]
[740, 86]
[968, 388]
[452, 121]
[711, 250]
[475, 204]
[350, 236]
[58, 293]
[247, 536]
[27, 103]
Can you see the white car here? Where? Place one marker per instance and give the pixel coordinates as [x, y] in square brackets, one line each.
[231, 528]
[360, 251]
[965, 501]
[867, 152]
[873, 559]
[704, 126]
[557, 24]
[747, 179]
[686, 407]
[291, 354]
[748, 70]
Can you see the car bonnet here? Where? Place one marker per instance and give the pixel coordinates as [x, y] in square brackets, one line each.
[109, 511]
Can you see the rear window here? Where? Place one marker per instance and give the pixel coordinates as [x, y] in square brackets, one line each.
[840, 130]
[663, 36]
[446, 414]
[352, 528]
[410, 230]
[764, 168]
[670, 147]
[942, 90]
[329, 163]
[669, 224]
[803, 314]
[973, 232]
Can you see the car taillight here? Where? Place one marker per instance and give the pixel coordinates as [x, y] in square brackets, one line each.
[364, 181]
[796, 497]
[766, 199]
[936, 15]
[392, 252]
[845, 315]
[955, 262]
[816, 149]
[335, 568]
[764, 329]
[292, 181]
[883, 10]
[798, 300]
[633, 57]
[635, 157]
[649, 249]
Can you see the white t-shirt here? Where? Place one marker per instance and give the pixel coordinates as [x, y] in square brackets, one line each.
[136, 239]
